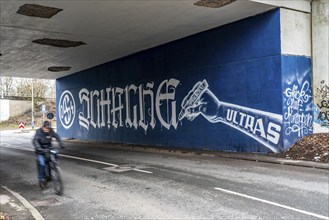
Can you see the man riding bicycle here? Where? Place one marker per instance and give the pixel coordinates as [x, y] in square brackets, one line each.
[42, 143]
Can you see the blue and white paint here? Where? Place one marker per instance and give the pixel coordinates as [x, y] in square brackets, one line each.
[195, 93]
[264, 127]
[137, 107]
[112, 108]
[66, 109]
[297, 99]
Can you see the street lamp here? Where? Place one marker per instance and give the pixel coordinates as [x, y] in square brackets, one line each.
[32, 122]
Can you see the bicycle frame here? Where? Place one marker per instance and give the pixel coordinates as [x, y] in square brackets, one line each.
[53, 172]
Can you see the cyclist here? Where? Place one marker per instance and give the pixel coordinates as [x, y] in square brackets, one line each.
[42, 143]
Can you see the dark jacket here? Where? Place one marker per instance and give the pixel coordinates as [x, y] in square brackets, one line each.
[42, 140]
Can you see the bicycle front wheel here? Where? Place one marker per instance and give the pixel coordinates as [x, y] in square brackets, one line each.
[57, 180]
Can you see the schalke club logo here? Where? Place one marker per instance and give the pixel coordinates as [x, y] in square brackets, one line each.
[66, 108]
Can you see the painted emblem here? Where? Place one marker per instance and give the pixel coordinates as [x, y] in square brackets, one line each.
[67, 109]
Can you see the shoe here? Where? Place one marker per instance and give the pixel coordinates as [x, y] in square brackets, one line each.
[42, 184]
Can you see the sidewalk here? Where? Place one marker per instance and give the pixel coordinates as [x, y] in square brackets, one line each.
[11, 208]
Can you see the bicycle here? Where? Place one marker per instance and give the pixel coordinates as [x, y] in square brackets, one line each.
[53, 171]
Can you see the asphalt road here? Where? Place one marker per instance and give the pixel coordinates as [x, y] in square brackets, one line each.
[106, 182]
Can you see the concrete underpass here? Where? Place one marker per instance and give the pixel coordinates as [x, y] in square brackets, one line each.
[224, 76]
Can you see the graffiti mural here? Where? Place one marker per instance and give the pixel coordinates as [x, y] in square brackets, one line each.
[322, 105]
[144, 106]
[297, 106]
[194, 93]
[264, 127]
[113, 107]
[297, 118]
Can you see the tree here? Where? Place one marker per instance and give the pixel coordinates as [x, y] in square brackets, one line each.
[7, 88]
[24, 89]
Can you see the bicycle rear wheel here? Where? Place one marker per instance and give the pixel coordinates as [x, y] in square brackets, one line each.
[56, 176]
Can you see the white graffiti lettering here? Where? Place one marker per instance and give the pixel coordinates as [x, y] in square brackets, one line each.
[167, 96]
[132, 106]
[295, 116]
[298, 98]
[253, 125]
[129, 121]
[83, 118]
[264, 127]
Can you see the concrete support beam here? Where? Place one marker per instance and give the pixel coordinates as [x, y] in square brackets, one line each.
[295, 33]
[320, 55]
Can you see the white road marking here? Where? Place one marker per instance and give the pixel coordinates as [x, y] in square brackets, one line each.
[143, 171]
[76, 158]
[273, 203]
[26, 204]
[100, 162]
[88, 160]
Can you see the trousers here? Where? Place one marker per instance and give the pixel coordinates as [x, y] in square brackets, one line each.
[41, 163]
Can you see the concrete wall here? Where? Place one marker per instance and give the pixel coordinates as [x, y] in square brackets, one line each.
[4, 109]
[320, 40]
[19, 107]
[295, 33]
[230, 88]
[11, 108]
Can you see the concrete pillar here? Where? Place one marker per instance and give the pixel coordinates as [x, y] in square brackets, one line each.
[320, 59]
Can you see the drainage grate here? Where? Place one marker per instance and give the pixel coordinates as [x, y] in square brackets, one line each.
[59, 68]
[39, 11]
[213, 3]
[58, 43]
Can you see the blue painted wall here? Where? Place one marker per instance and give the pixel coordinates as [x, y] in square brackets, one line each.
[297, 98]
[221, 89]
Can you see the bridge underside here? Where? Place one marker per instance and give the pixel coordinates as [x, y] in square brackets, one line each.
[52, 39]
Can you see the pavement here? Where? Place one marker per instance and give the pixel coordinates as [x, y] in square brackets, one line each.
[12, 208]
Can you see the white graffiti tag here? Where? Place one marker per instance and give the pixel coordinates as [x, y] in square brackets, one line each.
[322, 100]
[298, 120]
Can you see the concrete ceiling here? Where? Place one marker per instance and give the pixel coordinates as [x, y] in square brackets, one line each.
[110, 29]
